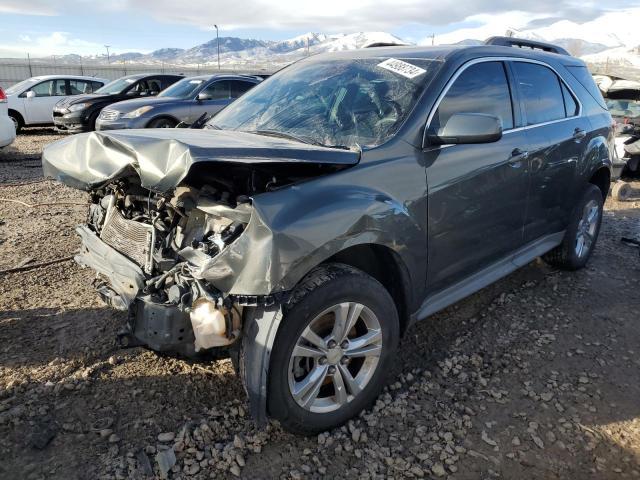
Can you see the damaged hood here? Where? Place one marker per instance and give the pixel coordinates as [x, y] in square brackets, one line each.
[162, 157]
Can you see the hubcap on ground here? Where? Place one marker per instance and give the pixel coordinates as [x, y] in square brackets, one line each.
[587, 228]
[335, 357]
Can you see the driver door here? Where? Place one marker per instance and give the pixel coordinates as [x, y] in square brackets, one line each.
[217, 96]
[39, 109]
[477, 193]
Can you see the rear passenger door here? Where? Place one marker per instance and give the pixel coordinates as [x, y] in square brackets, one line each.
[556, 134]
[477, 193]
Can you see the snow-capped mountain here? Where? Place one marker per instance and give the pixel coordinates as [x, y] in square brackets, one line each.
[238, 51]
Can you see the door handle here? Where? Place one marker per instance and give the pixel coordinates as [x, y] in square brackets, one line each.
[579, 134]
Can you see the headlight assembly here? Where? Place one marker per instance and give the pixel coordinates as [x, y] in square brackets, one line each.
[137, 112]
[77, 107]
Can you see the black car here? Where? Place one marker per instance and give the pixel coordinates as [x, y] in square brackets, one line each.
[79, 113]
[330, 207]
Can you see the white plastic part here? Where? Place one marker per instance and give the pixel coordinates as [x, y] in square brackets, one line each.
[209, 325]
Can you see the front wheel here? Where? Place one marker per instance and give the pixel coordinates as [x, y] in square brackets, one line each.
[162, 123]
[581, 234]
[333, 348]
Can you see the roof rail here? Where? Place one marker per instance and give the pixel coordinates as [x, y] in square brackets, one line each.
[524, 43]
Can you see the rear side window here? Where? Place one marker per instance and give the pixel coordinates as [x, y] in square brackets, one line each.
[238, 87]
[77, 87]
[481, 88]
[586, 80]
[541, 92]
[571, 108]
[96, 85]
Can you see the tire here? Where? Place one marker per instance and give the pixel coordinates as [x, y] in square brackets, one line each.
[621, 191]
[162, 123]
[91, 123]
[568, 255]
[347, 288]
[17, 120]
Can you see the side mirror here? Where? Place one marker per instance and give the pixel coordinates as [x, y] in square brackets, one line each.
[31, 94]
[153, 93]
[203, 96]
[465, 128]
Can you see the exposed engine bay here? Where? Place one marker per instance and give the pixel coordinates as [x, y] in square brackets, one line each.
[179, 229]
[166, 236]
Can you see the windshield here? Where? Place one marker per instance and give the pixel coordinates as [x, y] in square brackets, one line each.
[624, 108]
[182, 89]
[354, 102]
[115, 87]
[20, 86]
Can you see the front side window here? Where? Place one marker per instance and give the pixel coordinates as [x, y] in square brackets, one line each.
[481, 88]
[338, 102]
[218, 90]
[50, 88]
[541, 92]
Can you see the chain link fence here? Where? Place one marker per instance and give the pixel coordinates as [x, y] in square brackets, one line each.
[13, 70]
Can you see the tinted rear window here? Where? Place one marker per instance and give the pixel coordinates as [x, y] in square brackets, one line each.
[481, 88]
[541, 93]
[586, 80]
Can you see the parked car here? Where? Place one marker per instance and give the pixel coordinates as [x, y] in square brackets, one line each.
[79, 114]
[623, 100]
[184, 101]
[336, 203]
[32, 100]
[7, 130]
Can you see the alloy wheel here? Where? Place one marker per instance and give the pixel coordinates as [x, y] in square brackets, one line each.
[587, 228]
[335, 357]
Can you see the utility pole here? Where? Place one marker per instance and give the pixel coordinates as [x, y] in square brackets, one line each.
[29, 61]
[218, 45]
[108, 56]
[433, 39]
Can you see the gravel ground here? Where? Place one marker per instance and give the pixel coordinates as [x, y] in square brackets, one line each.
[534, 377]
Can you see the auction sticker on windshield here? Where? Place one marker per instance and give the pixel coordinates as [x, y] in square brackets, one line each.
[401, 68]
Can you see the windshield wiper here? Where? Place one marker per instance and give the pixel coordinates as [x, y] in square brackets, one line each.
[275, 133]
[306, 140]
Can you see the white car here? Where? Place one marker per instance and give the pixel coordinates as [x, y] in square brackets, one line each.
[7, 130]
[31, 101]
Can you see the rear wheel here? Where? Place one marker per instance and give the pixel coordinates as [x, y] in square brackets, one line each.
[17, 120]
[582, 232]
[162, 123]
[332, 351]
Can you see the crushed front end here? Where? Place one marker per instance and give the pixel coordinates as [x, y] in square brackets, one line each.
[146, 248]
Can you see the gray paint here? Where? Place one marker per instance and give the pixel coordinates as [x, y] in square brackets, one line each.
[448, 212]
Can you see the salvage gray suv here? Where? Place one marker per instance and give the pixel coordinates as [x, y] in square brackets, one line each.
[351, 194]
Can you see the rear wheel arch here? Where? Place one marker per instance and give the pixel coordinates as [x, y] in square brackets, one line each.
[18, 116]
[601, 178]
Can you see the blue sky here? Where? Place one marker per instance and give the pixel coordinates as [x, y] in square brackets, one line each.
[43, 27]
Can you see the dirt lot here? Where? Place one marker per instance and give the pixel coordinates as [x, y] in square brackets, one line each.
[537, 376]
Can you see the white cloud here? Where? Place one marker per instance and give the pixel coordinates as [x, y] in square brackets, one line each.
[34, 7]
[55, 43]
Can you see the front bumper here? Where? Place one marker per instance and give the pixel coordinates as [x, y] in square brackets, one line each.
[163, 327]
[121, 123]
[70, 122]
